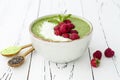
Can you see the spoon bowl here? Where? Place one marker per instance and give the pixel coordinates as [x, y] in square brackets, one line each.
[13, 50]
[19, 60]
[16, 61]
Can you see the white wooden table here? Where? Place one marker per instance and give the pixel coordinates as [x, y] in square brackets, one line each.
[16, 16]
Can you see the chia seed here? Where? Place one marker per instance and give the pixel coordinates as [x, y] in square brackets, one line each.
[16, 60]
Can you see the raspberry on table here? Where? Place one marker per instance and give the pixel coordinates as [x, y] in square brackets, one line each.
[95, 62]
[97, 54]
[109, 53]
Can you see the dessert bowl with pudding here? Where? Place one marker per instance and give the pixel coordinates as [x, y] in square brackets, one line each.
[61, 38]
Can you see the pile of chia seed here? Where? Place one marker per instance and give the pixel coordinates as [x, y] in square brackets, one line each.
[16, 60]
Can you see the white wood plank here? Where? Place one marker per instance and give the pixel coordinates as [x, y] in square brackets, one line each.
[14, 24]
[92, 11]
[78, 69]
[110, 23]
[24, 70]
[47, 70]
[10, 26]
[11, 21]
[59, 6]
[16, 16]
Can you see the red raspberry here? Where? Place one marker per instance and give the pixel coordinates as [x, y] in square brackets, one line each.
[61, 23]
[97, 54]
[74, 31]
[109, 52]
[56, 27]
[57, 32]
[95, 62]
[64, 28]
[74, 36]
[67, 21]
[65, 35]
[71, 26]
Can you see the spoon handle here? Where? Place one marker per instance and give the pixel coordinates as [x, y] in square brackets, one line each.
[27, 52]
[25, 46]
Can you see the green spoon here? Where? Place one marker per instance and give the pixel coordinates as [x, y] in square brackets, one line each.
[13, 50]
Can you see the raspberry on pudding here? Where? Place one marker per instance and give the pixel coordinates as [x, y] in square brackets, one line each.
[66, 30]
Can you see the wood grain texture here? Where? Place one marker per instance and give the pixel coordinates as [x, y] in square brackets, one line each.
[15, 23]
[15, 19]
[100, 40]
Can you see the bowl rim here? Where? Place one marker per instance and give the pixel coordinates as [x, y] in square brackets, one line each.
[84, 19]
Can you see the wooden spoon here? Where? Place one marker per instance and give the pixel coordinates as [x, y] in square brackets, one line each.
[19, 60]
[13, 50]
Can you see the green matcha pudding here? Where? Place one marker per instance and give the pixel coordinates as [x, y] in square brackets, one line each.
[59, 27]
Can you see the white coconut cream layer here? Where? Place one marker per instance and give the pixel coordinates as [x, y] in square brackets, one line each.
[47, 30]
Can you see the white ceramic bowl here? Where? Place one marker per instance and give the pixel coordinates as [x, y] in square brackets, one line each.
[61, 52]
